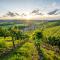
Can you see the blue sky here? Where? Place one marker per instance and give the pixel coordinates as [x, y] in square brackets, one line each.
[28, 5]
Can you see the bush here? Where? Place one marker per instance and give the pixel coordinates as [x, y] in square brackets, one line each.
[37, 35]
[2, 44]
[54, 41]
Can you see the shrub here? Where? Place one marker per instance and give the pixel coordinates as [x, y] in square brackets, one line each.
[2, 44]
[54, 41]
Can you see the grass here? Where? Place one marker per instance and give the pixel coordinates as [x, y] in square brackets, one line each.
[26, 52]
[50, 54]
[7, 42]
[53, 31]
[48, 51]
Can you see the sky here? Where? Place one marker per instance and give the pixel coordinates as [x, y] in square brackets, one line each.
[21, 6]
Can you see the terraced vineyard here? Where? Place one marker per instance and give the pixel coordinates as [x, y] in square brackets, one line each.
[52, 31]
[33, 44]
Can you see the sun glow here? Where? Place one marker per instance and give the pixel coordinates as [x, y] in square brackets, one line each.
[28, 17]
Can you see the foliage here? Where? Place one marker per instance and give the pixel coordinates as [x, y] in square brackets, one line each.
[2, 44]
[26, 52]
[54, 41]
[49, 54]
[37, 35]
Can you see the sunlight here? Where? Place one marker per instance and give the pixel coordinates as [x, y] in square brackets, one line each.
[28, 17]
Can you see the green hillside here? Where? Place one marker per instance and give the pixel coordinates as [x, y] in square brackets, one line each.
[41, 43]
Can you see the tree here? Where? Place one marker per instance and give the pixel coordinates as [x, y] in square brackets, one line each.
[25, 36]
[15, 33]
[4, 33]
[12, 34]
[1, 32]
[37, 36]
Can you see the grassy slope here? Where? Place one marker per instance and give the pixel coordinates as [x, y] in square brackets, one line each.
[26, 52]
[49, 51]
[52, 31]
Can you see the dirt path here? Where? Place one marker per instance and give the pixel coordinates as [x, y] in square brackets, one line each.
[40, 54]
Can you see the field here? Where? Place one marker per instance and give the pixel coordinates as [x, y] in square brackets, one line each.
[30, 40]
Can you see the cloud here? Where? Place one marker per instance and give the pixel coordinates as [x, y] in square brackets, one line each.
[54, 4]
[53, 12]
[17, 14]
[10, 14]
[23, 14]
[37, 12]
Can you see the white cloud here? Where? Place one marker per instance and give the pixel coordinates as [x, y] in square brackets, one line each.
[54, 4]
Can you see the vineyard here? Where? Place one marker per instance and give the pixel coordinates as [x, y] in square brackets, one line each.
[34, 41]
[53, 31]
